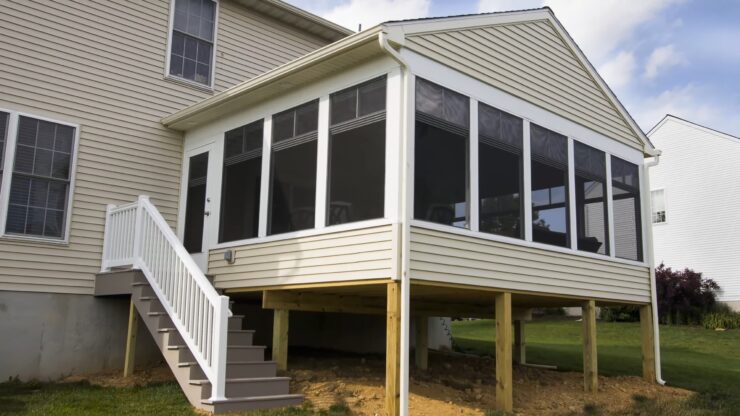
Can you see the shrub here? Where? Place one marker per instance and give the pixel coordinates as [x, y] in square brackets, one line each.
[684, 296]
[620, 313]
[721, 320]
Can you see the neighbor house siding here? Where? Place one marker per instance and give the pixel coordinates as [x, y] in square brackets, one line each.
[454, 258]
[366, 253]
[531, 61]
[100, 64]
[701, 179]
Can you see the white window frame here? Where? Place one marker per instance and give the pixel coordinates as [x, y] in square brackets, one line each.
[168, 56]
[9, 166]
[476, 90]
[652, 207]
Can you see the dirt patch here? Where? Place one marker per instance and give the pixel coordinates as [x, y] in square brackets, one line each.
[456, 385]
[141, 377]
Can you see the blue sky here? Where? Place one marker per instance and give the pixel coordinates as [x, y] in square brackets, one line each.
[659, 56]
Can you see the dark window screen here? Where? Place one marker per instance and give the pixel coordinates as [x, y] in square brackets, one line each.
[4, 117]
[591, 208]
[627, 213]
[195, 203]
[549, 187]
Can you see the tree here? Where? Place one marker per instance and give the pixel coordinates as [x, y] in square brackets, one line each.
[683, 296]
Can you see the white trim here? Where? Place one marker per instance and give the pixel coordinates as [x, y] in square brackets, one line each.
[527, 181]
[518, 242]
[393, 143]
[571, 211]
[168, 51]
[610, 207]
[322, 163]
[8, 171]
[350, 226]
[645, 201]
[474, 174]
[265, 178]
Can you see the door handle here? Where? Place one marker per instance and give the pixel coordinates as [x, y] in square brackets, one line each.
[207, 213]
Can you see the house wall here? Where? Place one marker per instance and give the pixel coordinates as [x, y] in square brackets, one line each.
[100, 64]
[699, 173]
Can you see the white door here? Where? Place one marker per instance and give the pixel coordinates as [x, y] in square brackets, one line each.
[199, 169]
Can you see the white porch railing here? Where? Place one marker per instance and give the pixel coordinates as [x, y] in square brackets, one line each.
[136, 235]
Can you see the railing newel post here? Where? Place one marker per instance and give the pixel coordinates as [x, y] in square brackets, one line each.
[218, 344]
[104, 267]
[138, 227]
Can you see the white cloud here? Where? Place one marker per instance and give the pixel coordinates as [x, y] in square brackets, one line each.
[486, 6]
[661, 59]
[686, 101]
[369, 13]
[618, 72]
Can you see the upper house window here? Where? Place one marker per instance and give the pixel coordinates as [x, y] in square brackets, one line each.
[191, 48]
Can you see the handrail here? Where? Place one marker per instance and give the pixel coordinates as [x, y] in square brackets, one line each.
[137, 235]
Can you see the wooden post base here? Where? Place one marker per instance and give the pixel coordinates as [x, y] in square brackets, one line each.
[648, 343]
[133, 327]
[504, 388]
[393, 350]
[280, 338]
[590, 364]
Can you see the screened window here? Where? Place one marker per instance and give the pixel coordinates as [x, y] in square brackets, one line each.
[4, 118]
[591, 208]
[191, 48]
[626, 202]
[549, 186]
[657, 198]
[500, 172]
[240, 192]
[195, 203]
[441, 155]
[40, 185]
[356, 174]
[293, 182]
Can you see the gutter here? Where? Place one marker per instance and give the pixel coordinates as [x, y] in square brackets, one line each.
[405, 226]
[651, 261]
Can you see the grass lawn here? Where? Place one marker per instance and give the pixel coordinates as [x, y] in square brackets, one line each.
[694, 358]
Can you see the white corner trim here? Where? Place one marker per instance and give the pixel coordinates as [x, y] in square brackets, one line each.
[265, 178]
[474, 171]
[322, 163]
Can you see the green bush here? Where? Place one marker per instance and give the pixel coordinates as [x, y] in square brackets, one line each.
[620, 313]
[721, 320]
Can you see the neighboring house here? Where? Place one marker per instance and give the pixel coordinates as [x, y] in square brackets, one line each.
[694, 210]
[456, 166]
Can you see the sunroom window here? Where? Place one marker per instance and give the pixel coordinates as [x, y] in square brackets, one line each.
[240, 192]
[191, 48]
[293, 181]
[356, 173]
[591, 209]
[500, 172]
[441, 155]
[549, 186]
[626, 202]
[4, 118]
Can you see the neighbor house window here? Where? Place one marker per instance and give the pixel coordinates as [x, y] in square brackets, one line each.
[500, 172]
[626, 202]
[41, 179]
[549, 186]
[4, 118]
[293, 170]
[191, 47]
[240, 192]
[441, 155]
[591, 210]
[657, 199]
[356, 189]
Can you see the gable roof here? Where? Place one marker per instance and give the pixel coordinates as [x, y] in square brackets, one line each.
[691, 124]
[298, 18]
[536, 60]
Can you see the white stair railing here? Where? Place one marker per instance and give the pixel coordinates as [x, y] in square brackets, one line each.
[136, 235]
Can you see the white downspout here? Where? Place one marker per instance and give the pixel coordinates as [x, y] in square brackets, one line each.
[651, 263]
[405, 227]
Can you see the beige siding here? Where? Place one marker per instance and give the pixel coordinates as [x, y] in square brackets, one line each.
[100, 64]
[531, 61]
[348, 255]
[448, 257]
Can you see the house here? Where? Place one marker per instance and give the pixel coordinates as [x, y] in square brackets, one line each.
[689, 210]
[463, 166]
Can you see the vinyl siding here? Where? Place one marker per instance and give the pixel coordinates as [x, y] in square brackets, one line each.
[453, 258]
[531, 61]
[700, 175]
[100, 64]
[367, 253]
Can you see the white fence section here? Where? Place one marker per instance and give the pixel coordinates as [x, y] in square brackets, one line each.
[137, 235]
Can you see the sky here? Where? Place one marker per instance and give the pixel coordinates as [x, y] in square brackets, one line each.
[679, 57]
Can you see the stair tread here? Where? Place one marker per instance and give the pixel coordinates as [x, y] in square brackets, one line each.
[156, 313]
[235, 347]
[253, 398]
[240, 380]
[250, 331]
[190, 363]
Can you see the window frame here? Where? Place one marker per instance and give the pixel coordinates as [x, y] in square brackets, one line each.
[168, 52]
[9, 167]
[652, 207]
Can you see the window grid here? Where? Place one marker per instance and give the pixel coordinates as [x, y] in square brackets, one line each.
[191, 46]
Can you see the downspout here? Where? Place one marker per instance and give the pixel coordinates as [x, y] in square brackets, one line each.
[405, 227]
[651, 262]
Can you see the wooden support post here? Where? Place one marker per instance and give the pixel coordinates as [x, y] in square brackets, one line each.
[504, 388]
[422, 342]
[648, 343]
[590, 364]
[520, 348]
[393, 350]
[133, 326]
[280, 338]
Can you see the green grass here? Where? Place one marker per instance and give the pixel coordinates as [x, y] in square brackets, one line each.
[81, 398]
[694, 358]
